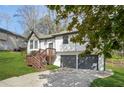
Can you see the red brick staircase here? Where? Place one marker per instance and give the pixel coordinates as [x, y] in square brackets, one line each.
[41, 58]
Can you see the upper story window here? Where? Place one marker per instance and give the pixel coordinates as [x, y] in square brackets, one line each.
[65, 39]
[36, 44]
[31, 44]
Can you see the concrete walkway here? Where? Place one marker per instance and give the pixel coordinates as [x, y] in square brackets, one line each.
[61, 78]
[29, 80]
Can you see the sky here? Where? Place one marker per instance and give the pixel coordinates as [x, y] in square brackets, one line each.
[14, 25]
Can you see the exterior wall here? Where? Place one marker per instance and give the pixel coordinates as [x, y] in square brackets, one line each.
[3, 45]
[57, 60]
[60, 47]
[43, 44]
[14, 42]
[57, 44]
[10, 42]
[21, 42]
[33, 37]
[63, 49]
[3, 36]
[101, 63]
[50, 41]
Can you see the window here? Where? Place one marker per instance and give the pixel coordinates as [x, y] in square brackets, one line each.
[65, 39]
[31, 44]
[45, 42]
[36, 44]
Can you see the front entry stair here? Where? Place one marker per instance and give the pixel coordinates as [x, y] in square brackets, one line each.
[40, 58]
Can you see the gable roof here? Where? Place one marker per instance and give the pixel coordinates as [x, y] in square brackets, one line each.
[43, 36]
[9, 32]
[37, 34]
[64, 33]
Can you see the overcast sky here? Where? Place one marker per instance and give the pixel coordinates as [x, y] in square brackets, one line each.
[14, 25]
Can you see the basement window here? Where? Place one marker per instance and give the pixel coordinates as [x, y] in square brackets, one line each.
[65, 39]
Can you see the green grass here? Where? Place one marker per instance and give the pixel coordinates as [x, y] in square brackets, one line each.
[52, 67]
[116, 58]
[13, 64]
[116, 80]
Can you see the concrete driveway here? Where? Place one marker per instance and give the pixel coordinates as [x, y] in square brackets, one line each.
[73, 78]
[62, 78]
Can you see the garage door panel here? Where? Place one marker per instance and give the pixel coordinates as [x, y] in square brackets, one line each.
[88, 62]
[68, 61]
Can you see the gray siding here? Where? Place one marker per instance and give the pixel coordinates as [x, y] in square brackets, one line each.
[10, 42]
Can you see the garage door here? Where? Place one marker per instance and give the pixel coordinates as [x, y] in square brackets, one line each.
[68, 61]
[88, 62]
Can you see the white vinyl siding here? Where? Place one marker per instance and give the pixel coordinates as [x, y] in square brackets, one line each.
[57, 44]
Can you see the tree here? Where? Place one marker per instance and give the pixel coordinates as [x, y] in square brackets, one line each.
[102, 26]
[56, 27]
[45, 25]
[29, 17]
[32, 18]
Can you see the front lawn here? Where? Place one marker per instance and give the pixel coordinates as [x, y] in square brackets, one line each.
[116, 58]
[13, 64]
[52, 67]
[116, 80]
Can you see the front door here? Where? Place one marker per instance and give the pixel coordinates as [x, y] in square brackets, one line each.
[50, 45]
[50, 53]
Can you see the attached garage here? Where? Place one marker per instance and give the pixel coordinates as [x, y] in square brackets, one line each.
[73, 61]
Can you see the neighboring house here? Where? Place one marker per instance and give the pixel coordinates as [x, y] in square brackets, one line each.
[67, 52]
[10, 40]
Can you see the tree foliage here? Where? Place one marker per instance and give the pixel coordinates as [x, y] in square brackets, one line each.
[103, 26]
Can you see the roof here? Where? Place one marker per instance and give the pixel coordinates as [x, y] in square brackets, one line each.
[64, 33]
[43, 36]
[9, 32]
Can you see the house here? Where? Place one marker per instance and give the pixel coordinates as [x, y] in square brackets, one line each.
[67, 52]
[10, 40]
